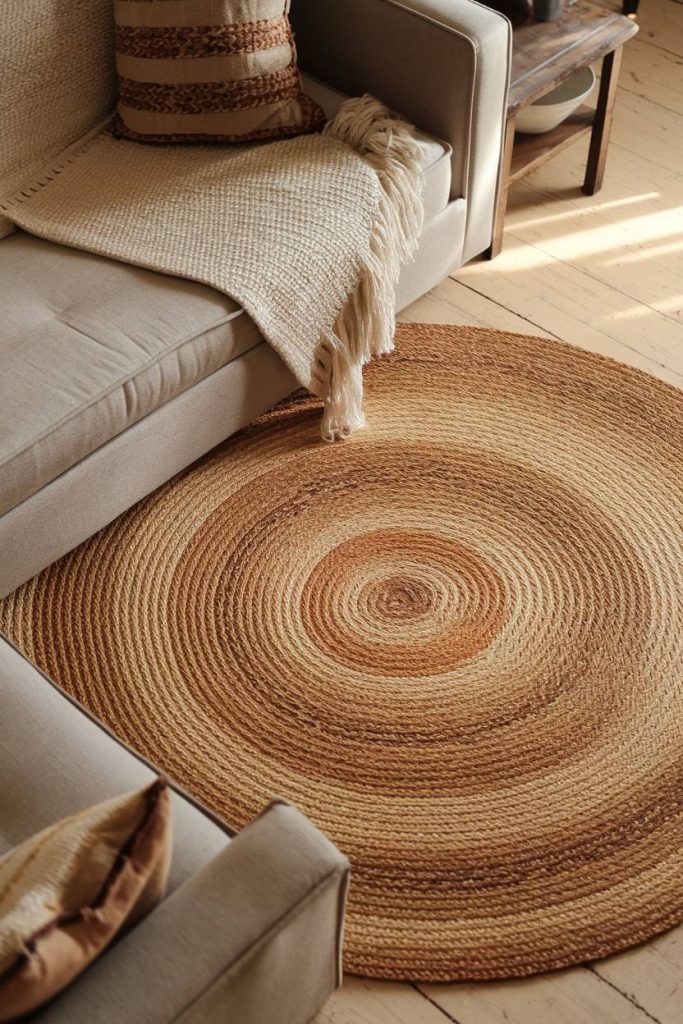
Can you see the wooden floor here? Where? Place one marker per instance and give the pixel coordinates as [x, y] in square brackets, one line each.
[604, 273]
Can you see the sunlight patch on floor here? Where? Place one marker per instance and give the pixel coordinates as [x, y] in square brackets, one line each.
[665, 249]
[595, 207]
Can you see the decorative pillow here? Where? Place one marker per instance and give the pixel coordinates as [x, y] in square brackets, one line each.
[66, 892]
[209, 71]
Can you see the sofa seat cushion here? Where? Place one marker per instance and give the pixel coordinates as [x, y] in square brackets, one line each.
[435, 155]
[89, 346]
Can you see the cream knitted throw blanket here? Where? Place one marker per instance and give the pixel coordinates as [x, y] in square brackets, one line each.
[307, 235]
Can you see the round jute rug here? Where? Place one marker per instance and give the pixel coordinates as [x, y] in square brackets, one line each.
[455, 641]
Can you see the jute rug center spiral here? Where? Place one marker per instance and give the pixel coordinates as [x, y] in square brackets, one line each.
[456, 642]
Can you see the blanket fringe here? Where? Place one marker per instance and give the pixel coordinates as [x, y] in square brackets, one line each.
[366, 324]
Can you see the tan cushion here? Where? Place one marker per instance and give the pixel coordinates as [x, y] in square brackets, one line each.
[209, 71]
[89, 346]
[66, 892]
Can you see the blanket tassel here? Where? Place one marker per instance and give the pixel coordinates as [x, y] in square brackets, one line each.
[366, 324]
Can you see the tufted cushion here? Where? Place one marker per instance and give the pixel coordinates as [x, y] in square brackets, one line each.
[89, 346]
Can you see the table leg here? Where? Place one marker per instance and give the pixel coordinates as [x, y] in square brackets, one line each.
[502, 201]
[597, 154]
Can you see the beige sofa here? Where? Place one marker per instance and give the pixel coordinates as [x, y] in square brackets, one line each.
[113, 378]
[250, 929]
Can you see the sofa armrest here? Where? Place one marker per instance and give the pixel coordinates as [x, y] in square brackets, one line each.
[254, 937]
[443, 64]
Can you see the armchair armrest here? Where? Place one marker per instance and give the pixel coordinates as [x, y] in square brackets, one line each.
[443, 64]
[254, 937]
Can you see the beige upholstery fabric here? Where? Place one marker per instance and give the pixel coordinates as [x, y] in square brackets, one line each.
[67, 891]
[441, 245]
[209, 70]
[57, 81]
[443, 63]
[89, 346]
[54, 761]
[111, 479]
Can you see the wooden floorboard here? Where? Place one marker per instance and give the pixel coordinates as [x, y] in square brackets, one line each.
[604, 273]
[576, 996]
[380, 1002]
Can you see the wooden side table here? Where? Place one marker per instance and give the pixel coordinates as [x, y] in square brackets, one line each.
[543, 55]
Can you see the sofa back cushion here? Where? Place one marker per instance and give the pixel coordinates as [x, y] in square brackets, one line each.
[209, 71]
[58, 81]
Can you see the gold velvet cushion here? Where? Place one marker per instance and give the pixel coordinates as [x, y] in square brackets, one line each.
[66, 892]
[209, 71]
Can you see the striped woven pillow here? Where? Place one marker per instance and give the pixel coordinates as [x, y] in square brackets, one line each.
[209, 71]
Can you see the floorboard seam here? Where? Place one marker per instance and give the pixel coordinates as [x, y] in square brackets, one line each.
[557, 337]
[592, 276]
[502, 305]
[630, 998]
[436, 1005]
[655, 103]
[647, 41]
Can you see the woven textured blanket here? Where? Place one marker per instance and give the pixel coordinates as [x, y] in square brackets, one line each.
[308, 235]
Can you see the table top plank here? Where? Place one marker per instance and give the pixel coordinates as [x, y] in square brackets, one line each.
[545, 53]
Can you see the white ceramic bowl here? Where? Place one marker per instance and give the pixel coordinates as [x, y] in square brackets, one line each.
[556, 106]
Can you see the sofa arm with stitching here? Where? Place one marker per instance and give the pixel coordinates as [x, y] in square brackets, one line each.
[443, 64]
[254, 938]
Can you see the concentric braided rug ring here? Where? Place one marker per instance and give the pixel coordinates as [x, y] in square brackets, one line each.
[455, 641]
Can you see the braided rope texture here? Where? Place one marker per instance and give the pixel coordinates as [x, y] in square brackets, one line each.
[455, 641]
